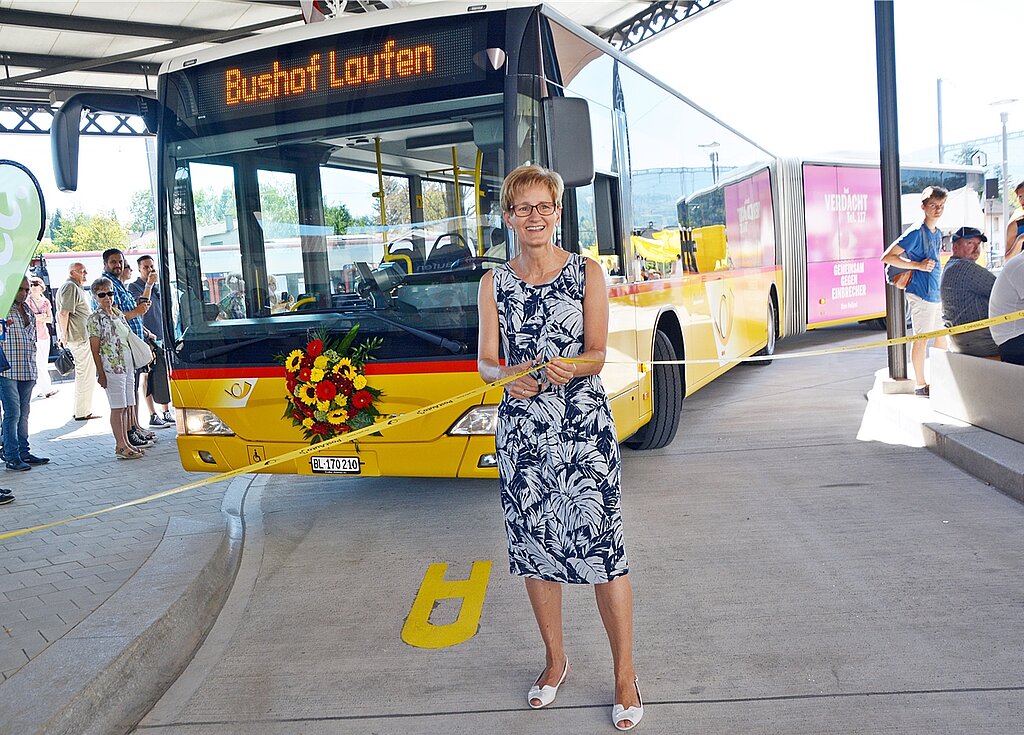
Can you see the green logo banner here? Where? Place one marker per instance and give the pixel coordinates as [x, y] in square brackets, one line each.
[22, 220]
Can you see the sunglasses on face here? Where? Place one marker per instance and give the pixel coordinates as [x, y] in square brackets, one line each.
[104, 294]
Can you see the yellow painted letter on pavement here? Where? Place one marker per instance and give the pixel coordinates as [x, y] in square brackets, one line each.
[420, 632]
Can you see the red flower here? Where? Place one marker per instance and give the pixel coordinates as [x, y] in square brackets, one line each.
[304, 375]
[326, 390]
[315, 348]
[362, 399]
[291, 382]
[321, 428]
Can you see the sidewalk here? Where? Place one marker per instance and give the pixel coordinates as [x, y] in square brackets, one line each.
[51, 580]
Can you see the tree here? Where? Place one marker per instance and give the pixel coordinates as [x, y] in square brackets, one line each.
[55, 221]
[99, 232]
[63, 234]
[338, 217]
[142, 212]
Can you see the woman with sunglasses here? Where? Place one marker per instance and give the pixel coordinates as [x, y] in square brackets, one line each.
[115, 369]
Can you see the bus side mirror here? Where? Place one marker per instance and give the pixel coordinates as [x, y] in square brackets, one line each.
[570, 151]
[67, 121]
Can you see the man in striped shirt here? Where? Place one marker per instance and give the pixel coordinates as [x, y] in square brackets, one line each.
[17, 381]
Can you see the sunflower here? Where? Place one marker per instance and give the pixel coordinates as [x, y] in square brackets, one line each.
[337, 416]
[359, 382]
[307, 394]
[343, 363]
[294, 361]
[316, 375]
[320, 362]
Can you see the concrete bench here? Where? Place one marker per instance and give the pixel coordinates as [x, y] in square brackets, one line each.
[985, 393]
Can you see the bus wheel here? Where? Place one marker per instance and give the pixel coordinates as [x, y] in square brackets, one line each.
[769, 349]
[667, 399]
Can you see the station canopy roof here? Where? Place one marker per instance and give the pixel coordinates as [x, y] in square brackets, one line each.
[50, 50]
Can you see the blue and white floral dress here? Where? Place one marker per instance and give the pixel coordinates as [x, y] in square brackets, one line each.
[558, 457]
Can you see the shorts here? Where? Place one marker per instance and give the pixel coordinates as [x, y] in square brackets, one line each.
[121, 387]
[925, 316]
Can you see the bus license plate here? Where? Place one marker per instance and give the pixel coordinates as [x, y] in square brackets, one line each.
[335, 465]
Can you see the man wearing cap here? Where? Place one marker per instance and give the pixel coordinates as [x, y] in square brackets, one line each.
[966, 288]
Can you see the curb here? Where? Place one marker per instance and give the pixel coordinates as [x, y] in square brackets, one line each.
[910, 421]
[988, 456]
[108, 671]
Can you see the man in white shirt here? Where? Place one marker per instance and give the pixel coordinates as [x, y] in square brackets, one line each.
[1008, 297]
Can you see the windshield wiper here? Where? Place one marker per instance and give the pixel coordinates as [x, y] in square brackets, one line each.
[224, 349]
[453, 346]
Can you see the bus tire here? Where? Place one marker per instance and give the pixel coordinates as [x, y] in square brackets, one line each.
[667, 398]
[773, 332]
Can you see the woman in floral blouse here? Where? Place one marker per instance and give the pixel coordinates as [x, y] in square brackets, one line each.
[115, 370]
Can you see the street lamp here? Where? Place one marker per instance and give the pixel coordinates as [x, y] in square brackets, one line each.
[712, 149]
[1003, 117]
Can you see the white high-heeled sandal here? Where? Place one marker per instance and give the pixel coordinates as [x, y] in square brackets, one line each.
[633, 714]
[546, 694]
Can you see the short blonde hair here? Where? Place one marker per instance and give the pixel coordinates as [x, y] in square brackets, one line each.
[526, 176]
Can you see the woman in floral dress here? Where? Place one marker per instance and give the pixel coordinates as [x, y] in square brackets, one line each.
[115, 370]
[558, 457]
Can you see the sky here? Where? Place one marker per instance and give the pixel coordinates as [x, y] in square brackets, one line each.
[800, 76]
[796, 76]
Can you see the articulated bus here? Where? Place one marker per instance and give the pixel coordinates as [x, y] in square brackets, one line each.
[421, 110]
[828, 216]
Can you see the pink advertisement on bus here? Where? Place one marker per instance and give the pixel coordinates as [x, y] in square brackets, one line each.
[750, 222]
[843, 215]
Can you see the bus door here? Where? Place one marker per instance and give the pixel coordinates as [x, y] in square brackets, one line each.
[594, 210]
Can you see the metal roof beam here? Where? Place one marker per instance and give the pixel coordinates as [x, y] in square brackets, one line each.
[101, 26]
[658, 18]
[211, 37]
[45, 61]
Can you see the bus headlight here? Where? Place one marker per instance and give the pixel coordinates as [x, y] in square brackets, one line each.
[477, 420]
[200, 422]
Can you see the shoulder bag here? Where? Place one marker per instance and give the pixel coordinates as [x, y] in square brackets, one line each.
[65, 361]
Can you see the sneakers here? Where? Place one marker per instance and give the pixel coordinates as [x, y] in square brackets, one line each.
[18, 466]
[5, 491]
[32, 459]
[6, 498]
[168, 417]
[137, 439]
[156, 421]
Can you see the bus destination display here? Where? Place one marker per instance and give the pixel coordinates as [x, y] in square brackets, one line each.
[330, 70]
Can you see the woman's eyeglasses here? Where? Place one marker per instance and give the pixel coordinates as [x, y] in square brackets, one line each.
[104, 294]
[523, 210]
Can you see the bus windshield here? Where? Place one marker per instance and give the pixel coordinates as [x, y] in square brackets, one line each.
[380, 210]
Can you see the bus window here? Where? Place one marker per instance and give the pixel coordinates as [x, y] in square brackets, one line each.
[219, 257]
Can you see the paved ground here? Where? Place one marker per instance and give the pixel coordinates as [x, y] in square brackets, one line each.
[792, 575]
[51, 580]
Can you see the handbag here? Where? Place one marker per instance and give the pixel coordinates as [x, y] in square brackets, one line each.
[142, 354]
[65, 361]
[898, 277]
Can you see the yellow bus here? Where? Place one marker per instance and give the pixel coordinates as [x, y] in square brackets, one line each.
[267, 148]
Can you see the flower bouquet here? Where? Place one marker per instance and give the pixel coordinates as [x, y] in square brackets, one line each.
[327, 391]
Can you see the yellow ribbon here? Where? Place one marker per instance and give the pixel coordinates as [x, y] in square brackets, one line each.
[461, 397]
